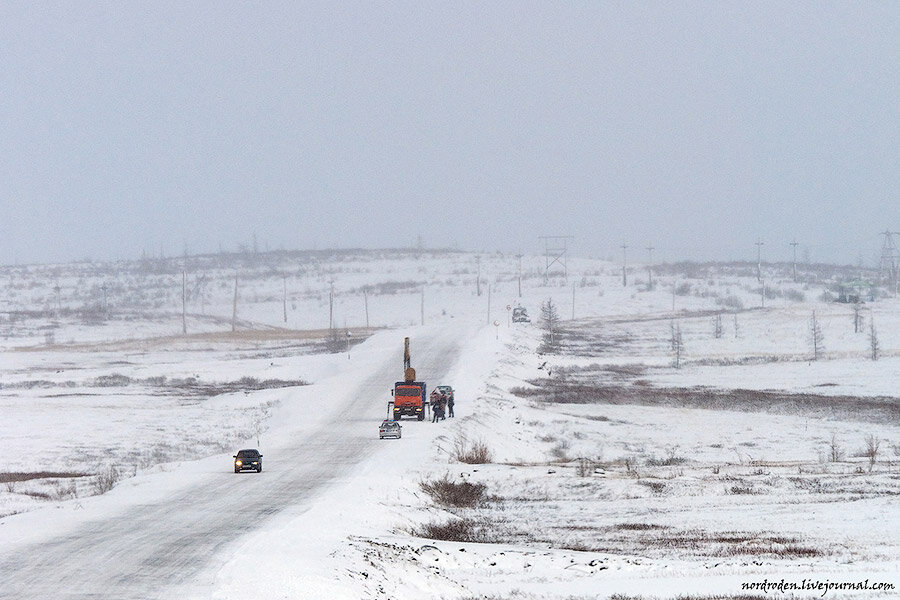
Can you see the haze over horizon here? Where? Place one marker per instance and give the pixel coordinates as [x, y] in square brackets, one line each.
[698, 129]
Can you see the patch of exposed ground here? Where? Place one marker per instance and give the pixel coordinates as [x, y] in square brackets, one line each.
[598, 385]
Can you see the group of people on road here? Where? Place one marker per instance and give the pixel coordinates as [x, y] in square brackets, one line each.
[441, 405]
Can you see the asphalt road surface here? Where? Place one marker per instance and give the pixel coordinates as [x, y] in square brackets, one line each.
[166, 549]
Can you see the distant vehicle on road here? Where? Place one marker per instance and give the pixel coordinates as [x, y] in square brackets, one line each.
[248, 460]
[389, 429]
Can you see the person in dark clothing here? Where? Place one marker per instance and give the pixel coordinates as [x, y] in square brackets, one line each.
[435, 409]
[443, 402]
[435, 406]
[450, 406]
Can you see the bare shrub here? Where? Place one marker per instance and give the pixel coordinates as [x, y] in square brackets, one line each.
[106, 479]
[447, 492]
[114, 380]
[561, 451]
[456, 530]
[730, 301]
[639, 526]
[471, 453]
[657, 487]
[670, 460]
[62, 491]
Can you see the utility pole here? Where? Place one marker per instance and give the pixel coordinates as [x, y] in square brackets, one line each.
[650, 266]
[759, 245]
[183, 302]
[624, 264]
[519, 256]
[573, 301]
[331, 308]
[557, 254]
[888, 263]
[366, 300]
[489, 304]
[423, 306]
[284, 296]
[794, 263]
[234, 307]
[478, 276]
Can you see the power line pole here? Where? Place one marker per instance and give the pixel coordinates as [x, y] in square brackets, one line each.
[794, 263]
[519, 256]
[556, 255]
[478, 276]
[183, 302]
[234, 306]
[331, 308]
[888, 262]
[573, 301]
[366, 300]
[624, 248]
[759, 245]
[284, 296]
[650, 266]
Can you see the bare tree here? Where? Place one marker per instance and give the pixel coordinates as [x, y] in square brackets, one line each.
[835, 452]
[857, 317]
[816, 337]
[871, 451]
[718, 330]
[874, 347]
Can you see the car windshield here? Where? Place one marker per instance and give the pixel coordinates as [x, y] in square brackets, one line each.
[408, 392]
[248, 454]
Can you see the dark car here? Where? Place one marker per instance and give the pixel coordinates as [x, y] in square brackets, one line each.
[248, 460]
[389, 428]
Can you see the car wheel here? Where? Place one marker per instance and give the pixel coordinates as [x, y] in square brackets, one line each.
[259, 469]
[237, 470]
[421, 417]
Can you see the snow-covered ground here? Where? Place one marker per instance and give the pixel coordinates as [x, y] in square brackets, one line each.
[611, 470]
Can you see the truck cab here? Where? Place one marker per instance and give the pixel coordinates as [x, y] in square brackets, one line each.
[409, 399]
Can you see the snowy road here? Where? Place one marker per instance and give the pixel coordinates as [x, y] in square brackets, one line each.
[172, 548]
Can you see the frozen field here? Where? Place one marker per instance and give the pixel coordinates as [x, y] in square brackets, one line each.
[617, 461]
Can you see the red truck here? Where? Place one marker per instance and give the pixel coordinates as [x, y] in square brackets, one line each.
[409, 394]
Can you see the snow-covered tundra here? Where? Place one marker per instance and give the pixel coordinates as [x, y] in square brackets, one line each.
[695, 432]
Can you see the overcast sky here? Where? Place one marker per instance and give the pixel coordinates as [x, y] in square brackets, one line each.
[694, 127]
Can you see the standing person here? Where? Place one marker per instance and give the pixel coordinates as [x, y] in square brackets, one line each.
[450, 405]
[435, 406]
[443, 405]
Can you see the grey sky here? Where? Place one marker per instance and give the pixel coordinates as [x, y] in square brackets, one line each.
[696, 127]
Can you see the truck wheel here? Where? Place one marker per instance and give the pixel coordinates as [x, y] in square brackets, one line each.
[421, 417]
